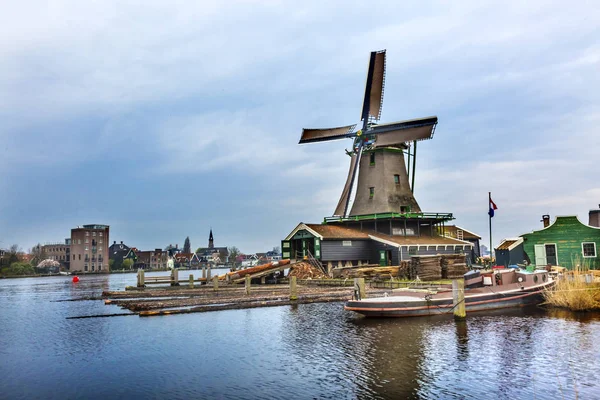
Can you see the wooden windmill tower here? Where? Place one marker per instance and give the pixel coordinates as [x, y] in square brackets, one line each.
[377, 154]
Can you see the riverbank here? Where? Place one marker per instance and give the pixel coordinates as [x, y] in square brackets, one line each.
[577, 290]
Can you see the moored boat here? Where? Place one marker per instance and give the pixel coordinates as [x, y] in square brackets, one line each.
[483, 291]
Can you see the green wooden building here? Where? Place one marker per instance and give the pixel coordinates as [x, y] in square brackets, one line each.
[566, 242]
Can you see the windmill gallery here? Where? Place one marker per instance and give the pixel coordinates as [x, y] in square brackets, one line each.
[385, 224]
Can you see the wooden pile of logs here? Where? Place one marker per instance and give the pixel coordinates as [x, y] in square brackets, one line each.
[304, 270]
[454, 266]
[372, 272]
[427, 268]
[254, 270]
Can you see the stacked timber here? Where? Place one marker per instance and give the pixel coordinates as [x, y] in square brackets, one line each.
[305, 270]
[372, 272]
[427, 268]
[255, 270]
[454, 266]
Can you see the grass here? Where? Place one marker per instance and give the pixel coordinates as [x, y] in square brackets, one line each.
[573, 293]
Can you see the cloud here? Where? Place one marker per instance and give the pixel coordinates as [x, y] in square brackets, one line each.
[99, 97]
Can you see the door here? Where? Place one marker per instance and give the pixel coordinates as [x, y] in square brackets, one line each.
[551, 254]
[382, 258]
[540, 255]
[388, 255]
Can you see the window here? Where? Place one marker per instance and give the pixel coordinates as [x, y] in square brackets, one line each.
[100, 234]
[87, 240]
[78, 241]
[371, 192]
[588, 249]
[397, 179]
[372, 159]
[100, 241]
[99, 248]
[86, 248]
[85, 268]
[94, 234]
[73, 257]
[346, 243]
[87, 234]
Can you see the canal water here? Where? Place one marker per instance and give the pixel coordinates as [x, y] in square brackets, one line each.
[312, 351]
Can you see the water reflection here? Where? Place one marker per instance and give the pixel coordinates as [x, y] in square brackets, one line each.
[304, 351]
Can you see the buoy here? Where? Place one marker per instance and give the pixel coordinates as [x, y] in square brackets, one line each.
[75, 279]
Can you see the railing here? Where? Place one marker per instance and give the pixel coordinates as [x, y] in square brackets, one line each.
[407, 215]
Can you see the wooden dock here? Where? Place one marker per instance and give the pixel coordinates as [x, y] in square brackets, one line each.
[225, 292]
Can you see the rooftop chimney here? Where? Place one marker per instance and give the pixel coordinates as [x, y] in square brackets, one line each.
[115, 242]
[594, 218]
[121, 242]
[546, 220]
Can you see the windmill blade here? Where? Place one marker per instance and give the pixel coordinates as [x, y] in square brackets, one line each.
[354, 168]
[341, 206]
[374, 86]
[320, 135]
[404, 131]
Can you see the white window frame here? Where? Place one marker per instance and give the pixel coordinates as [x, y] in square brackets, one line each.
[583, 253]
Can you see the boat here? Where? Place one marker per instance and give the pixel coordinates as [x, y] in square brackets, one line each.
[487, 290]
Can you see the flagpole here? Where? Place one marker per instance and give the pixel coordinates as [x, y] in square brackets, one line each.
[490, 218]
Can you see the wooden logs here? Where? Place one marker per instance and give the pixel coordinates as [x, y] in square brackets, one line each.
[192, 281]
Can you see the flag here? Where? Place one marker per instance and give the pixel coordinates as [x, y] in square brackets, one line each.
[492, 208]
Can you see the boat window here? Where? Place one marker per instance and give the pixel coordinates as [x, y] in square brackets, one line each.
[544, 277]
[535, 279]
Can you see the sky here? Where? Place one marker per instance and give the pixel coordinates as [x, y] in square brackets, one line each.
[164, 119]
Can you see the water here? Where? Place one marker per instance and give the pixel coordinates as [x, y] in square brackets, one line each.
[292, 352]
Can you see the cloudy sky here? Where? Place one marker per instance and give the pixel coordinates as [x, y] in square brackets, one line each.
[163, 119]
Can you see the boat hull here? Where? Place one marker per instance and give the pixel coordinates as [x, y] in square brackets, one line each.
[420, 308]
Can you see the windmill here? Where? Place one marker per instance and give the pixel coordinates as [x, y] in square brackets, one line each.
[383, 184]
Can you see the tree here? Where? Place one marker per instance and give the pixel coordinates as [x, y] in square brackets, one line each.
[234, 252]
[38, 254]
[18, 268]
[187, 247]
[127, 263]
[12, 254]
[111, 262]
[276, 249]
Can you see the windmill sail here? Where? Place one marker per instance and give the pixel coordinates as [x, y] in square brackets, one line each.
[341, 206]
[374, 86]
[320, 135]
[404, 131]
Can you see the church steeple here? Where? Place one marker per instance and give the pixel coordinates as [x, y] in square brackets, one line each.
[211, 241]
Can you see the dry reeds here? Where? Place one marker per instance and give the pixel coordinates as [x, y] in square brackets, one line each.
[575, 290]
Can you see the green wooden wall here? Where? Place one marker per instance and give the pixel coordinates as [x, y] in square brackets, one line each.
[568, 234]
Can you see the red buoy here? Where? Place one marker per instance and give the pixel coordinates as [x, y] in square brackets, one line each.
[75, 279]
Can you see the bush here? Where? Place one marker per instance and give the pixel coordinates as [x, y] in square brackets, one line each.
[18, 268]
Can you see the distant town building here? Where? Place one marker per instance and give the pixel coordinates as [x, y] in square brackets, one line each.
[118, 252]
[158, 259]
[60, 251]
[212, 254]
[89, 248]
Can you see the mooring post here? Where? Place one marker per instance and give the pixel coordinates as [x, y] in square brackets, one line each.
[208, 274]
[293, 288]
[174, 277]
[263, 280]
[458, 299]
[192, 281]
[141, 279]
[359, 288]
[215, 280]
[203, 272]
[248, 282]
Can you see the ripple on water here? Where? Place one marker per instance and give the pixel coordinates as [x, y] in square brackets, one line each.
[305, 351]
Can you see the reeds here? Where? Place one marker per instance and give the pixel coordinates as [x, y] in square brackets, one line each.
[572, 291]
